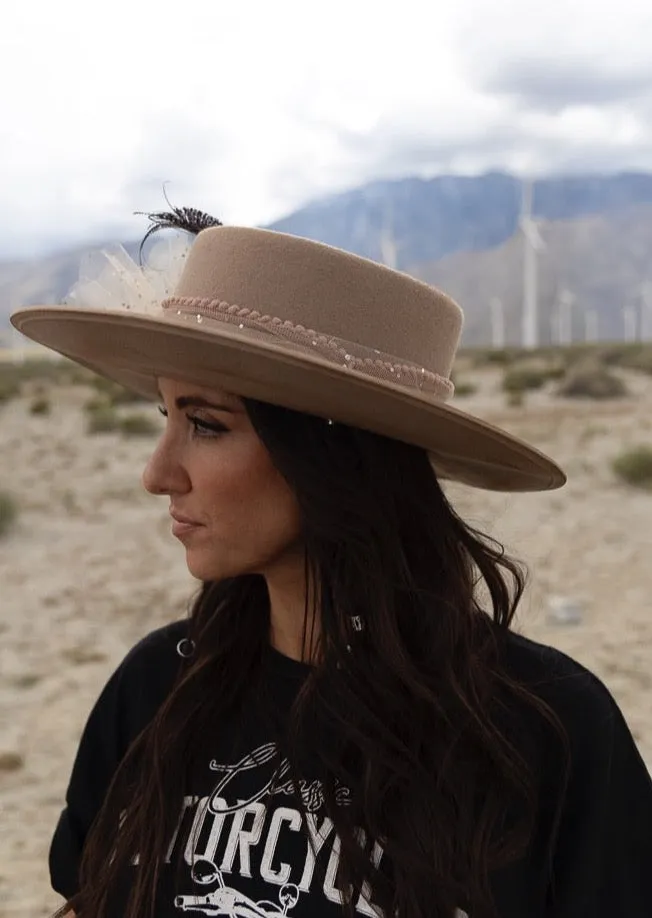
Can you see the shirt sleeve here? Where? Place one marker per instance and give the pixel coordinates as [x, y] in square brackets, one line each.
[98, 755]
[125, 705]
[603, 857]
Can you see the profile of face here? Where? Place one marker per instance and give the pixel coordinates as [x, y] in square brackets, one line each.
[231, 509]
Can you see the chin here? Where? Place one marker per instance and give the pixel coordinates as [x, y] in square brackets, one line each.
[207, 569]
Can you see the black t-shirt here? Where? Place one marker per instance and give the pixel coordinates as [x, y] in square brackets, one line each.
[249, 848]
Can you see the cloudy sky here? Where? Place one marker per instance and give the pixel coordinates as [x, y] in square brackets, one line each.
[250, 108]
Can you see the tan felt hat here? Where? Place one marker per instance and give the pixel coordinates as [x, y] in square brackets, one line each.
[300, 324]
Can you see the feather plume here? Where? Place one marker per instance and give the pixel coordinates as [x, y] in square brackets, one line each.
[188, 219]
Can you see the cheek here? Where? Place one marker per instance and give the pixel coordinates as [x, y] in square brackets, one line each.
[251, 513]
[272, 521]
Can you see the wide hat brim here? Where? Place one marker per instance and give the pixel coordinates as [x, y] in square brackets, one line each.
[137, 349]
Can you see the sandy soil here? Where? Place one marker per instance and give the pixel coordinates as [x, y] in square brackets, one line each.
[90, 567]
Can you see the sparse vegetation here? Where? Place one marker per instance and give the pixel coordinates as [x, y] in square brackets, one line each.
[39, 369]
[8, 389]
[138, 425]
[11, 761]
[516, 398]
[524, 379]
[113, 393]
[8, 512]
[463, 387]
[69, 501]
[555, 371]
[593, 381]
[629, 356]
[497, 357]
[104, 419]
[41, 406]
[634, 467]
[80, 655]
[590, 432]
[26, 680]
[97, 403]
[640, 360]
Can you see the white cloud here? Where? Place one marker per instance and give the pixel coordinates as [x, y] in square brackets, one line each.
[250, 109]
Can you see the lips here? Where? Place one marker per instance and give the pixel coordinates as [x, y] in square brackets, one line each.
[183, 520]
[183, 525]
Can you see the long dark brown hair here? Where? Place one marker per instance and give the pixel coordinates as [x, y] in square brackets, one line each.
[417, 712]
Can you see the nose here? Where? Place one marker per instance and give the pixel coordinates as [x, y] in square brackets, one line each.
[164, 472]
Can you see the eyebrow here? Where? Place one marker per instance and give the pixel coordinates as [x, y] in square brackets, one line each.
[198, 401]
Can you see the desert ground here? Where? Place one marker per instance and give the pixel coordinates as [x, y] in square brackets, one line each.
[89, 566]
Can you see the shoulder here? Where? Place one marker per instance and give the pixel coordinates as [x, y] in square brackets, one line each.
[157, 647]
[138, 686]
[149, 669]
[127, 703]
[553, 675]
[593, 722]
[595, 813]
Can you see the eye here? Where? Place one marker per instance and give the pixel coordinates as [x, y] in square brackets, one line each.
[201, 428]
[205, 428]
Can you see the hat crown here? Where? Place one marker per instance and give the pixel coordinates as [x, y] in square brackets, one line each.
[326, 290]
[295, 323]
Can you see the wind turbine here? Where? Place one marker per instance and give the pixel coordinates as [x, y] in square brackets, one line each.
[532, 244]
[590, 324]
[630, 322]
[563, 318]
[645, 311]
[388, 244]
[497, 323]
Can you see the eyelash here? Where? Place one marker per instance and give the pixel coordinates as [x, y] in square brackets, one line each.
[201, 428]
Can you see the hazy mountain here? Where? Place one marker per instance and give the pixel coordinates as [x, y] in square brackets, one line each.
[429, 219]
[460, 233]
[602, 260]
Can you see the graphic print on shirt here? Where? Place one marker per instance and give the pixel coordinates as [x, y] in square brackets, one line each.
[251, 848]
[243, 832]
[228, 901]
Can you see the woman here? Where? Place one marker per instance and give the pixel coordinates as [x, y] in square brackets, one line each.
[346, 723]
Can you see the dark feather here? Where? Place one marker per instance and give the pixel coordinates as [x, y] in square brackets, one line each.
[188, 219]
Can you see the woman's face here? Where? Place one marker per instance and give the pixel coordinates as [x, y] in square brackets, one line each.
[230, 508]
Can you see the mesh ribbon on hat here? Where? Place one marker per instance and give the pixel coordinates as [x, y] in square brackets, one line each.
[110, 279]
[368, 361]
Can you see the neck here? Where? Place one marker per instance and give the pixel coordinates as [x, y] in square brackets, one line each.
[293, 625]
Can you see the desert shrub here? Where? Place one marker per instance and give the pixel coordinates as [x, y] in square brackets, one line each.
[592, 381]
[138, 425]
[80, 376]
[104, 419]
[523, 379]
[618, 353]
[8, 512]
[642, 362]
[41, 406]
[637, 357]
[114, 393]
[38, 369]
[96, 403]
[554, 372]
[578, 354]
[501, 357]
[516, 398]
[11, 761]
[635, 466]
[8, 389]
[464, 387]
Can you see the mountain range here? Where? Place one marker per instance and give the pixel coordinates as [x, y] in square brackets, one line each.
[460, 233]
